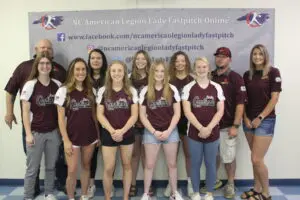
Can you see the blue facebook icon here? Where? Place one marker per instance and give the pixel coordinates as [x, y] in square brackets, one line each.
[61, 37]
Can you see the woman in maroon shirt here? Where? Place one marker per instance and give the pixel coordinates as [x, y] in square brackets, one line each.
[40, 123]
[117, 112]
[179, 70]
[263, 85]
[160, 113]
[139, 79]
[76, 102]
[97, 64]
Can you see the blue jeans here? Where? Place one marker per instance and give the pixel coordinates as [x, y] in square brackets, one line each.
[209, 151]
[266, 127]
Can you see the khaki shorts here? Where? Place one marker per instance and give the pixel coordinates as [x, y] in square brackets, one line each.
[227, 146]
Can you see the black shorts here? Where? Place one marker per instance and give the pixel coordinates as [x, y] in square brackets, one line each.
[138, 131]
[182, 126]
[106, 139]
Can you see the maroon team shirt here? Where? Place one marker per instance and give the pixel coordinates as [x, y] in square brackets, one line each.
[117, 110]
[159, 112]
[203, 106]
[139, 85]
[81, 126]
[234, 91]
[259, 91]
[179, 84]
[42, 107]
[22, 72]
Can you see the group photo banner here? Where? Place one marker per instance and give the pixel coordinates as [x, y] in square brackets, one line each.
[161, 32]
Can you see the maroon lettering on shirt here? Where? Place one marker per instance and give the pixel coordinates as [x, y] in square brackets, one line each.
[235, 93]
[139, 85]
[117, 109]
[204, 106]
[159, 112]
[42, 108]
[81, 126]
[259, 91]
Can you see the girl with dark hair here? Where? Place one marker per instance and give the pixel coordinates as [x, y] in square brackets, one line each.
[40, 123]
[179, 70]
[75, 101]
[97, 64]
[139, 79]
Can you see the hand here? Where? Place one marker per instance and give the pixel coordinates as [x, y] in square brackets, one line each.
[248, 123]
[29, 140]
[205, 132]
[232, 132]
[256, 122]
[68, 147]
[158, 134]
[9, 118]
[165, 134]
[118, 135]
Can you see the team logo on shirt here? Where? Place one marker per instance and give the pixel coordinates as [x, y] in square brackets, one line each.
[83, 103]
[162, 102]
[207, 101]
[277, 79]
[41, 101]
[254, 19]
[49, 22]
[243, 88]
[121, 103]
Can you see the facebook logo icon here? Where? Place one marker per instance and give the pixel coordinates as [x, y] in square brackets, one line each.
[61, 37]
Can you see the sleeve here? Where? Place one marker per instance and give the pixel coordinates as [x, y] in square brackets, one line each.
[240, 90]
[27, 90]
[60, 96]
[176, 95]
[186, 91]
[100, 95]
[142, 95]
[57, 82]
[14, 83]
[221, 96]
[275, 81]
[135, 97]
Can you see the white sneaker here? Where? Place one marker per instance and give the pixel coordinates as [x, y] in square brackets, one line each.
[146, 197]
[50, 197]
[167, 191]
[176, 196]
[190, 190]
[196, 196]
[91, 191]
[208, 197]
[83, 197]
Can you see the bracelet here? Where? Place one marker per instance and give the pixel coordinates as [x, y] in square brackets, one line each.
[236, 125]
[154, 132]
[260, 117]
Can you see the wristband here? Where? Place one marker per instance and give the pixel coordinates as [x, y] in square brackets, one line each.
[236, 125]
[260, 117]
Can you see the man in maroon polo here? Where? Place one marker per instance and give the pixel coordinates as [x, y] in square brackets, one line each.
[235, 93]
[16, 83]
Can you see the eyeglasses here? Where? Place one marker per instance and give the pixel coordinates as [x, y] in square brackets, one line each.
[44, 63]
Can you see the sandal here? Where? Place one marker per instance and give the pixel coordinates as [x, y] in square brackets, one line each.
[133, 191]
[260, 196]
[249, 193]
[151, 191]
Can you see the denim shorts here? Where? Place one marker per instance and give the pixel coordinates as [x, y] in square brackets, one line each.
[149, 138]
[266, 128]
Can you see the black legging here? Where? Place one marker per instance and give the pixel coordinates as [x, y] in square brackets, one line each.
[94, 163]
